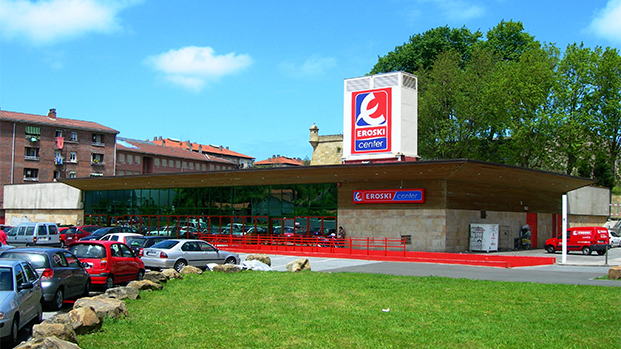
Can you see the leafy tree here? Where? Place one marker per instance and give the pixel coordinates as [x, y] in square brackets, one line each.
[509, 40]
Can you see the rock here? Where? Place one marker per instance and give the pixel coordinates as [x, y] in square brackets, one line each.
[60, 330]
[47, 343]
[263, 258]
[123, 292]
[614, 273]
[226, 268]
[59, 319]
[188, 269]
[85, 320]
[298, 265]
[103, 306]
[255, 265]
[143, 285]
[172, 274]
[156, 276]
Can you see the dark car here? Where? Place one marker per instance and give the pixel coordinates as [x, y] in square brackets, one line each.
[97, 234]
[62, 274]
[138, 244]
[109, 262]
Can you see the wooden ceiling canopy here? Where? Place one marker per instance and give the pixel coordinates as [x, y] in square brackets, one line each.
[462, 171]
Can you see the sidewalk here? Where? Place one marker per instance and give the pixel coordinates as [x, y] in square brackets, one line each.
[574, 258]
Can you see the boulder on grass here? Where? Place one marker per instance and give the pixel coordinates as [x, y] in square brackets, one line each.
[103, 306]
[123, 292]
[156, 276]
[172, 274]
[263, 258]
[614, 273]
[300, 264]
[188, 269]
[226, 268]
[59, 330]
[143, 285]
[85, 320]
[47, 343]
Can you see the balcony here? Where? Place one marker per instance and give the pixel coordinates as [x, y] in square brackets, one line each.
[31, 157]
[97, 163]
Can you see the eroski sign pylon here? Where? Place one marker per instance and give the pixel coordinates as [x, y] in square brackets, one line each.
[380, 117]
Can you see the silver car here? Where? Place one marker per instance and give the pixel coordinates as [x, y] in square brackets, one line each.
[34, 234]
[62, 274]
[177, 253]
[20, 298]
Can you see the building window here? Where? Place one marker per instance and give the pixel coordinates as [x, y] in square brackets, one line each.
[31, 153]
[98, 139]
[191, 165]
[171, 163]
[58, 157]
[59, 133]
[204, 167]
[185, 165]
[31, 174]
[96, 174]
[72, 174]
[156, 162]
[120, 173]
[130, 159]
[33, 131]
[74, 136]
[177, 164]
[138, 160]
[73, 157]
[122, 158]
[56, 174]
[164, 163]
[97, 159]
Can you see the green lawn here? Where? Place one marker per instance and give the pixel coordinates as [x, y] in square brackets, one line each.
[343, 310]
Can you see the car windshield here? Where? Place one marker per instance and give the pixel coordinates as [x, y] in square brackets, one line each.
[6, 279]
[136, 242]
[39, 261]
[166, 244]
[88, 251]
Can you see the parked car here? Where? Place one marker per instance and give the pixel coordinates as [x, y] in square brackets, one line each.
[97, 234]
[34, 234]
[62, 274]
[120, 237]
[172, 231]
[615, 239]
[138, 244]
[20, 298]
[177, 253]
[585, 239]
[109, 262]
[78, 232]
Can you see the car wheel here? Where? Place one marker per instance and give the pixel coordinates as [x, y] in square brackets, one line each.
[180, 264]
[87, 289]
[586, 250]
[140, 275]
[550, 249]
[14, 331]
[109, 283]
[58, 300]
[601, 253]
[230, 260]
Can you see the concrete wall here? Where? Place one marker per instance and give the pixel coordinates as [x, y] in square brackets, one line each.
[458, 227]
[42, 196]
[62, 217]
[592, 201]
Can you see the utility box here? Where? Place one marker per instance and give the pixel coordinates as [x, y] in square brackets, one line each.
[483, 237]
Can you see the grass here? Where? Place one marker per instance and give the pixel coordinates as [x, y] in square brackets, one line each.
[345, 310]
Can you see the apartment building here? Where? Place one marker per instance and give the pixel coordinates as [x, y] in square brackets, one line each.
[242, 160]
[43, 148]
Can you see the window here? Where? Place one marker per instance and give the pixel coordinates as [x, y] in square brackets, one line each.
[191, 165]
[59, 133]
[98, 139]
[185, 165]
[177, 164]
[31, 174]
[121, 157]
[74, 136]
[97, 159]
[72, 174]
[96, 174]
[73, 157]
[138, 160]
[31, 153]
[204, 167]
[33, 131]
[171, 163]
[56, 175]
[120, 173]
[71, 260]
[130, 159]
[58, 157]
[164, 163]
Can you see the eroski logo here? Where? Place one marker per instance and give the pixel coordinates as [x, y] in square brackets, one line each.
[371, 119]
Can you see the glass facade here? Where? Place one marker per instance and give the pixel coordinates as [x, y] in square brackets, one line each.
[271, 200]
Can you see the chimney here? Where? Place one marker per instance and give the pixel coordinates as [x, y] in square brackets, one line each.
[52, 114]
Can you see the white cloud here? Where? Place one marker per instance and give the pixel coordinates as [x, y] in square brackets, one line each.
[50, 21]
[456, 10]
[312, 67]
[607, 23]
[191, 67]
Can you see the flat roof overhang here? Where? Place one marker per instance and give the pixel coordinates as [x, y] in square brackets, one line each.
[459, 170]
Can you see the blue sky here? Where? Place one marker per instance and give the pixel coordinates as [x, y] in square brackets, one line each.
[250, 75]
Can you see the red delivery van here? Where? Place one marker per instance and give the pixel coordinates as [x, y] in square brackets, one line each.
[585, 239]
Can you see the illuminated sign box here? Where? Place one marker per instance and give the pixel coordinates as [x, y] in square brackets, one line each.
[389, 196]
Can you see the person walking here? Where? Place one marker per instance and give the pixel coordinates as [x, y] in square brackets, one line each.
[3, 237]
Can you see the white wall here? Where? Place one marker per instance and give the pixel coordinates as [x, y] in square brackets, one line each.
[592, 201]
[41, 196]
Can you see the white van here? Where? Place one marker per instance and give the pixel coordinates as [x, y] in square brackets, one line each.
[34, 234]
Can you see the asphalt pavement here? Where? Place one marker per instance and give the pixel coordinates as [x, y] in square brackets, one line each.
[579, 269]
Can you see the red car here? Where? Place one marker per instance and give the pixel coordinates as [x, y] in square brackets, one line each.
[73, 234]
[109, 262]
